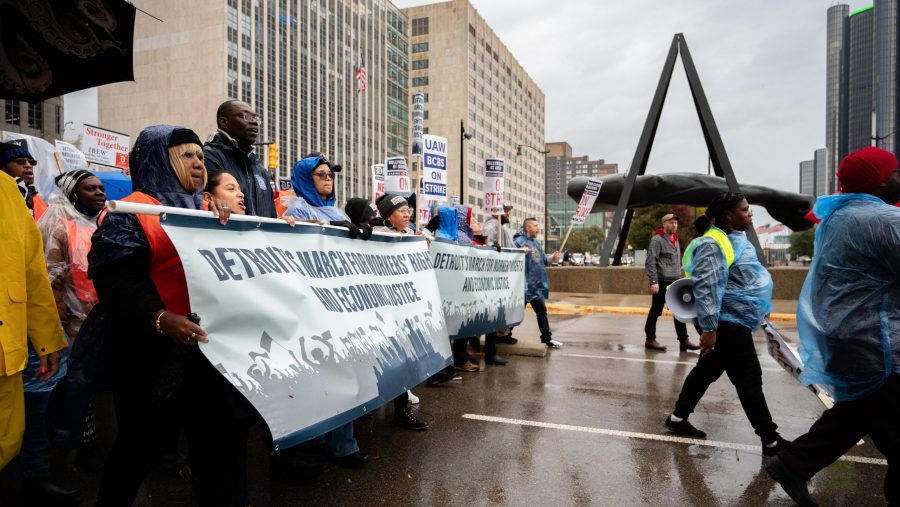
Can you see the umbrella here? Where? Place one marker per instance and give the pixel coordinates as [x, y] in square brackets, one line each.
[52, 47]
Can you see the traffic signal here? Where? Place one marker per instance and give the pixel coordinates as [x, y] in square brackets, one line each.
[273, 156]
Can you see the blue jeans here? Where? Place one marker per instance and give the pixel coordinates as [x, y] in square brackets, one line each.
[35, 455]
[340, 441]
[540, 309]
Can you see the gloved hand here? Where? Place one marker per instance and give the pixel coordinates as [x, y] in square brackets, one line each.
[365, 230]
[497, 246]
[354, 230]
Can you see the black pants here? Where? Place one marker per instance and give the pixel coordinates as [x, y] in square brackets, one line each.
[540, 310]
[460, 354]
[217, 442]
[841, 427]
[656, 309]
[735, 355]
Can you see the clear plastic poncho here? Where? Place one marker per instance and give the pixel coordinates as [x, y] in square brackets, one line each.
[741, 294]
[848, 314]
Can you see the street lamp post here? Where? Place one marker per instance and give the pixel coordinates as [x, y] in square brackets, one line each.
[463, 136]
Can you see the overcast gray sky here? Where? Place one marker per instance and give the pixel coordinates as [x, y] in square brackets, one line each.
[762, 65]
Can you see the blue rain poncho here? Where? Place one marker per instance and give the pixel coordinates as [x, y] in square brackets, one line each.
[741, 293]
[537, 285]
[309, 205]
[848, 315]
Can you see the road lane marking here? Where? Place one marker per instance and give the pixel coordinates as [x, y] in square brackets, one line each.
[647, 436]
[641, 360]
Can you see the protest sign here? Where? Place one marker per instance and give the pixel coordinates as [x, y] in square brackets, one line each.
[434, 168]
[482, 290]
[418, 124]
[493, 186]
[105, 147]
[396, 179]
[591, 191]
[377, 181]
[72, 158]
[313, 328]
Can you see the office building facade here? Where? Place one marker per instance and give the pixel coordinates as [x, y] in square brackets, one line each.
[562, 166]
[474, 84]
[42, 119]
[861, 81]
[292, 60]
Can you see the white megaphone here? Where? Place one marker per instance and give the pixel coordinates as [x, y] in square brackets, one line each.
[680, 300]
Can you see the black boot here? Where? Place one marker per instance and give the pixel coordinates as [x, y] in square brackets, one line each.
[490, 350]
[42, 492]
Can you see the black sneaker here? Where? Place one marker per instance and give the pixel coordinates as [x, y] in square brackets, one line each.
[791, 483]
[781, 445]
[507, 339]
[409, 418]
[685, 428]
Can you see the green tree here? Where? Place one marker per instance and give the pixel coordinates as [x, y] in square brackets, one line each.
[587, 239]
[802, 243]
[645, 222]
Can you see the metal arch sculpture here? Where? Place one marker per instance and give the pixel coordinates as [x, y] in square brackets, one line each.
[621, 221]
[695, 190]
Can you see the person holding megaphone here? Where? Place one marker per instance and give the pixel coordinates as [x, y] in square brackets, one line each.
[733, 293]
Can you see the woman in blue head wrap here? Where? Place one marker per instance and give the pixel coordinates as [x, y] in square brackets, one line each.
[312, 179]
[158, 372]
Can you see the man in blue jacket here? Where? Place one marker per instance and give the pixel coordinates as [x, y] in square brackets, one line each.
[231, 149]
[537, 287]
[848, 318]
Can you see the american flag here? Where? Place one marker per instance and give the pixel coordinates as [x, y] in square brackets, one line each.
[770, 229]
[361, 76]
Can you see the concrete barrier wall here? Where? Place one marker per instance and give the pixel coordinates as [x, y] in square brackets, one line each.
[632, 280]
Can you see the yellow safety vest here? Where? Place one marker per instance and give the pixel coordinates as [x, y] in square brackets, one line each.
[721, 239]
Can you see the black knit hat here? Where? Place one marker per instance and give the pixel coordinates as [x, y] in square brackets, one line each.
[184, 136]
[12, 150]
[389, 203]
[359, 210]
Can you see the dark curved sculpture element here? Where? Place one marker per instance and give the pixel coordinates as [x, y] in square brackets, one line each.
[695, 190]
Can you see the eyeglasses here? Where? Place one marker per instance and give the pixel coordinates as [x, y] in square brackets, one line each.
[406, 210]
[323, 175]
[250, 117]
[23, 161]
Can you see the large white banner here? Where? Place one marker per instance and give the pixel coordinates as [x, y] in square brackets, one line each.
[396, 180]
[314, 328]
[105, 147]
[483, 290]
[493, 186]
[434, 168]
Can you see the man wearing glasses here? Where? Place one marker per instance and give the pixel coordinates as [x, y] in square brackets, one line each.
[231, 149]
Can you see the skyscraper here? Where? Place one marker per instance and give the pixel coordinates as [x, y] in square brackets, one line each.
[861, 99]
[293, 60]
[472, 81]
[808, 177]
[562, 167]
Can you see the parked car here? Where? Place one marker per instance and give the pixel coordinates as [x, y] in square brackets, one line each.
[595, 260]
[578, 259]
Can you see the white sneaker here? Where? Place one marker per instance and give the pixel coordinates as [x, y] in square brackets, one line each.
[553, 344]
[413, 399]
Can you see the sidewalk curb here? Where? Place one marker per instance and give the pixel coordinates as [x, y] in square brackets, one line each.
[568, 309]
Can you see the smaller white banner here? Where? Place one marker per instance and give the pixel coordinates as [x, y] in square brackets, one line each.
[105, 147]
[377, 181]
[493, 186]
[396, 179]
[434, 168]
[591, 191]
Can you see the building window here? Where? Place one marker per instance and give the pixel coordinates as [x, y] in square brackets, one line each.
[420, 81]
[420, 26]
[36, 116]
[12, 112]
[420, 47]
[419, 64]
[472, 30]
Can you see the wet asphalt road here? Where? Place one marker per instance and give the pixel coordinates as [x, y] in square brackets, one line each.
[581, 426]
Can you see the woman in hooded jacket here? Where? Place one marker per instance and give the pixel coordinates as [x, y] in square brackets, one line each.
[158, 372]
